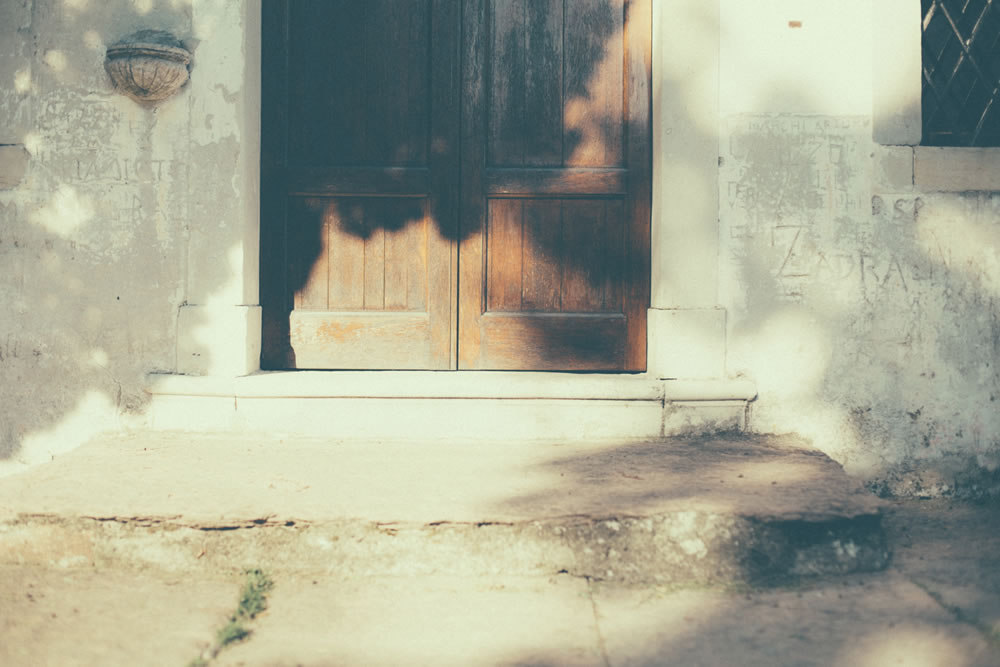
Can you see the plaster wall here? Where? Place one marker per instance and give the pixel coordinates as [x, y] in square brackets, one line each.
[114, 218]
[861, 292]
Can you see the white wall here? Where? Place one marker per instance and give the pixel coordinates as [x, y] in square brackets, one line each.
[111, 215]
[864, 306]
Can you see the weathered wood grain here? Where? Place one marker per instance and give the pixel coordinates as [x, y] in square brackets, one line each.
[512, 181]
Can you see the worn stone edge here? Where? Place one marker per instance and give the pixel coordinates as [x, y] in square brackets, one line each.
[681, 548]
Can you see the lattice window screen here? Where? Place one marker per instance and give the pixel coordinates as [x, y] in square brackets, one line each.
[961, 72]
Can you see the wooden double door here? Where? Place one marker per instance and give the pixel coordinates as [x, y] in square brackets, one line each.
[455, 184]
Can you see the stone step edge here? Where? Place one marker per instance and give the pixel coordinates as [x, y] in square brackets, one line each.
[482, 385]
[675, 549]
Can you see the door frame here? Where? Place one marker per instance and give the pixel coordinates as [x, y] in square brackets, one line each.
[686, 327]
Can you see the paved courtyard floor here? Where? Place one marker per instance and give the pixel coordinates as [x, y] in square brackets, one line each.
[938, 604]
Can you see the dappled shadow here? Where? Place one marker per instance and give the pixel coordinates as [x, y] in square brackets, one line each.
[94, 239]
[906, 615]
[763, 476]
[864, 309]
[703, 510]
[864, 319]
[867, 620]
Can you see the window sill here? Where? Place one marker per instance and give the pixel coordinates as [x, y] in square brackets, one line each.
[937, 169]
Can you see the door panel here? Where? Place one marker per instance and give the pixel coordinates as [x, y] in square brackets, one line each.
[554, 255]
[592, 91]
[556, 163]
[373, 254]
[358, 77]
[555, 72]
[359, 167]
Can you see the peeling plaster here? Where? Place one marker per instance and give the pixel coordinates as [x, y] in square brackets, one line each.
[94, 238]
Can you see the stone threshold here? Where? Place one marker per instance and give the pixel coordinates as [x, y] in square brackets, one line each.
[452, 384]
[403, 405]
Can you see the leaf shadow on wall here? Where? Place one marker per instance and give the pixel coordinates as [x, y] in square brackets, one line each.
[868, 319]
[93, 241]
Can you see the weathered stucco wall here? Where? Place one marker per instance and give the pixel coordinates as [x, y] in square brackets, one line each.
[100, 207]
[864, 307]
[862, 301]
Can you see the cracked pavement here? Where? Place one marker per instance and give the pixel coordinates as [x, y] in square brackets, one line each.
[937, 604]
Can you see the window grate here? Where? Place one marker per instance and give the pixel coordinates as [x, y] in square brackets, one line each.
[961, 72]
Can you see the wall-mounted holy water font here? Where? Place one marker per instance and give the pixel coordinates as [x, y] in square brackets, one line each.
[148, 66]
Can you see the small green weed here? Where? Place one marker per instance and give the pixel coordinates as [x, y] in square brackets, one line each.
[253, 600]
[231, 632]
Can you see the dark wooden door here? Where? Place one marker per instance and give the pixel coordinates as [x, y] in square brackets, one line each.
[556, 184]
[456, 184]
[359, 164]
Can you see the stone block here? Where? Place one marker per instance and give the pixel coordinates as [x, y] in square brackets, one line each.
[956, 169]
[218, 340]
[687, 343]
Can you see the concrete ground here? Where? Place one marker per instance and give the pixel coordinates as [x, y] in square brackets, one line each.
[938, 604]
[215, 479]
[675, 510]
[131, 551]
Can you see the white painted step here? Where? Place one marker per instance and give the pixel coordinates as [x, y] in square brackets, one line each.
[448, 404]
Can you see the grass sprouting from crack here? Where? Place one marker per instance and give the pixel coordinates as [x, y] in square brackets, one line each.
[253, 597]
[253, 600]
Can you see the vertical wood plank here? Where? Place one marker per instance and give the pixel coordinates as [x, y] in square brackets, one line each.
[416, 260]
[614, 256]
[347, 256]
[399, 216]
[311, 224]
[395, 102]
[507, 83]
[503, 249]
[594, 81]
[582, 258]
[414, 113]
[441, 232]
[382, 47]
[374, 258]
[327, 110]
[542, 252]
[306, 254]
[543, 83]
[475, 137]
